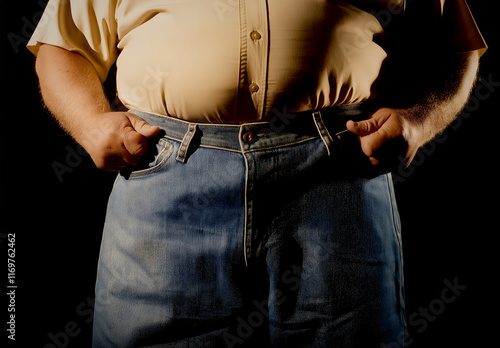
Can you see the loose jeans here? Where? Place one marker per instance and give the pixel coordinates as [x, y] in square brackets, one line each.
[250, 236]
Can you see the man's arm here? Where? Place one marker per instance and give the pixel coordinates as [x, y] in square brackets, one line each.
[422, 122]
[73, 93]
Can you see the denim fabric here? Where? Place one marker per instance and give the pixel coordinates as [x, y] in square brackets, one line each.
[238, 236]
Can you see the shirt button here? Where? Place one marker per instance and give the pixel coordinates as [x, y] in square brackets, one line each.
[248, 137]
[255, 35]
[254, 87]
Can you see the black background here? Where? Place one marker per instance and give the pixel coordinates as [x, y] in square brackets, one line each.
[448, 201]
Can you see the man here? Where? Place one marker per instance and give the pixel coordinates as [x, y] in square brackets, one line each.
[252, 208]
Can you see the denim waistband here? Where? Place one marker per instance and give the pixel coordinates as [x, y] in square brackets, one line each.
[282, 129]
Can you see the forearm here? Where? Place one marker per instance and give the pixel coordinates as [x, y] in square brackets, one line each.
[71, 89]
[74, 94]
[437, 110]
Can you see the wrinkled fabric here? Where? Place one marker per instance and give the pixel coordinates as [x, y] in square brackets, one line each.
[231, 61]
[226, 240]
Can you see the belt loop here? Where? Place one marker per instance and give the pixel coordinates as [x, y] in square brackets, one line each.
[323, 131]
[182, 155]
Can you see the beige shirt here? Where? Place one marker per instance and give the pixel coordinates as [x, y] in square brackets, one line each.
[235, 61]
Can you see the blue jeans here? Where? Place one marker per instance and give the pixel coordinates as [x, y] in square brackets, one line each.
[250, 236]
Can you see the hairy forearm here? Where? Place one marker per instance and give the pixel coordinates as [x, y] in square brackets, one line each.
[74, 94]
[70, 88]
[437, 110]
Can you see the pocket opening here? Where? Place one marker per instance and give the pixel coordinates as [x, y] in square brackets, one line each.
[156, 157]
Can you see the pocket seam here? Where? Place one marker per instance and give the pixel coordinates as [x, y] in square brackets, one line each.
[161, 159]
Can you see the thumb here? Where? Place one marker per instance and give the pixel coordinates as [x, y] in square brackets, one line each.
[135, 138]
[142, 127]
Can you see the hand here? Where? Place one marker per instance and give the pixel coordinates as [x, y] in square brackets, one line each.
[116, 140]
[381, 130]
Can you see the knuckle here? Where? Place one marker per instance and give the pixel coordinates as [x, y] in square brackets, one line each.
[100, 163]
[136, 144]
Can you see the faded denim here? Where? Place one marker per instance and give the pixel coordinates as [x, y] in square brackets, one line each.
[241, 236]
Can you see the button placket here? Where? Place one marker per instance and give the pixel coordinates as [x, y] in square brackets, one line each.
[258, 42]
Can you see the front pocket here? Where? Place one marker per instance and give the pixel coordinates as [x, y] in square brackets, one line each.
[154, 160]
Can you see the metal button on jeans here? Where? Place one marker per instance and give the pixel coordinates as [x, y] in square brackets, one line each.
[233, 179]
[248, 137]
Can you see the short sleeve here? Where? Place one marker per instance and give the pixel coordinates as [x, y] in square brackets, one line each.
[460, 29]
[87, 27]
[441, 25]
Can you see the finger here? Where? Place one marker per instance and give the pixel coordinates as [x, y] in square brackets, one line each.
[142, 127]
[112, 164]
[374, 161]
[135, 145]
[363, 128]
[371, 143]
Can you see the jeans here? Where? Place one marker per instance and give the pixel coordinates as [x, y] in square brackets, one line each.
[244, 236]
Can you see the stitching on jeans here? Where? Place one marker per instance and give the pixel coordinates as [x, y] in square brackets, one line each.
[161, 159]
[186, 141]
[322, 130]
[245, 226]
